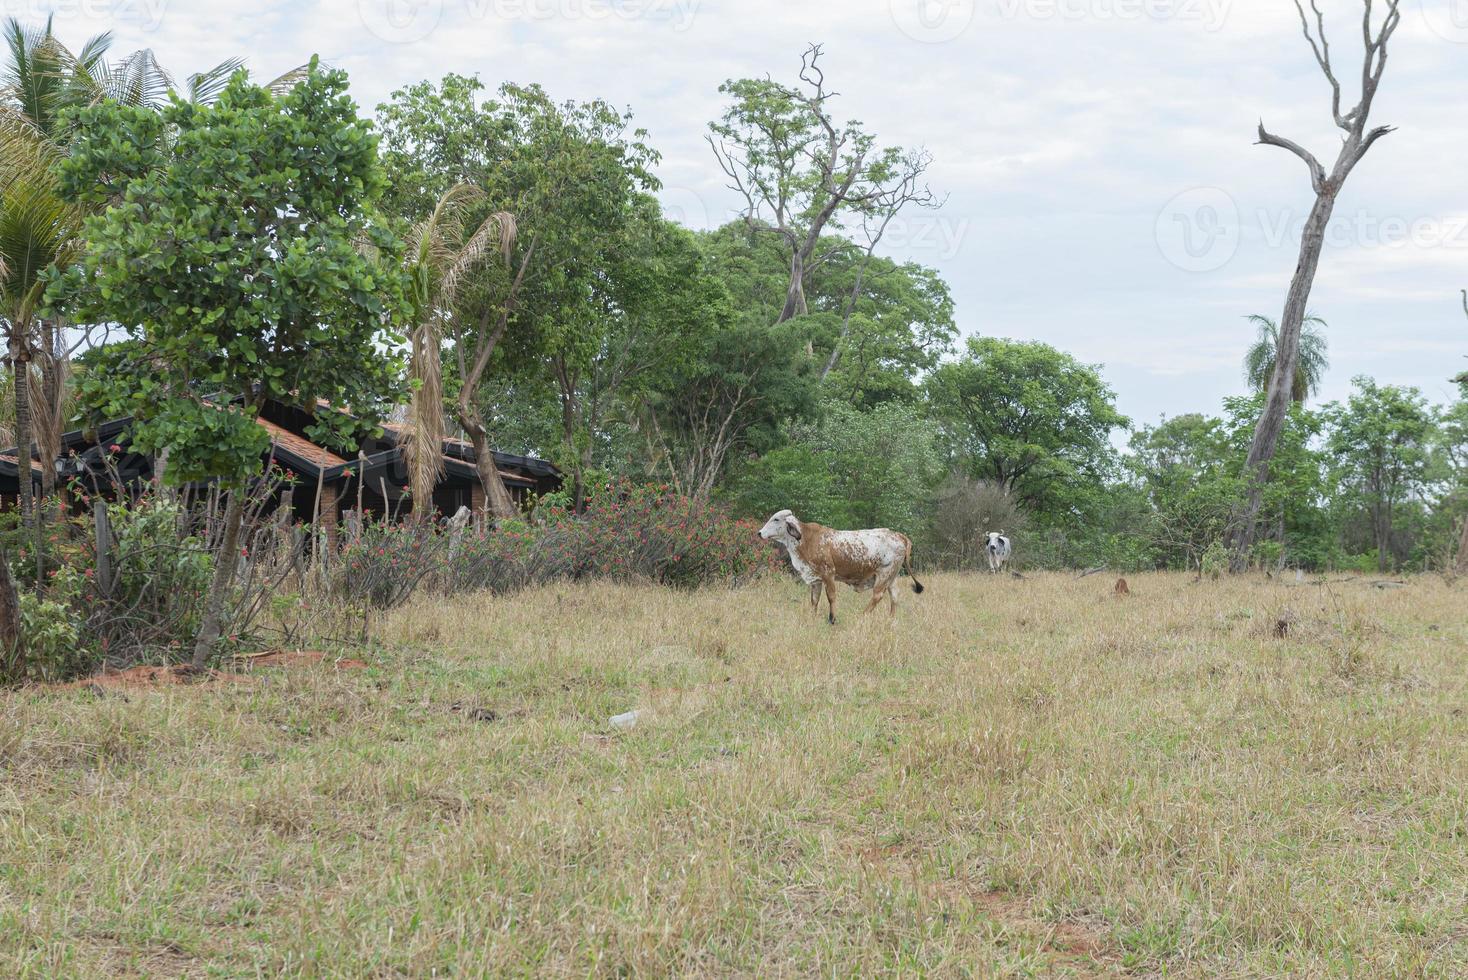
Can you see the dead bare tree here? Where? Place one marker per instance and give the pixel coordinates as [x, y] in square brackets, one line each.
[799, 171]
[1327, 185]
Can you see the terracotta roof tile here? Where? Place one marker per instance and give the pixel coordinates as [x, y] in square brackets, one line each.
[11, 458]
[302, 447]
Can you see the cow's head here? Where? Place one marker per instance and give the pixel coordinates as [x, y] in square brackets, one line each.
[782, 526]
[995, 537]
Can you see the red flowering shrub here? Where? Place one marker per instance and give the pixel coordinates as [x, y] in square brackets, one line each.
[650, 532]
[627, 532]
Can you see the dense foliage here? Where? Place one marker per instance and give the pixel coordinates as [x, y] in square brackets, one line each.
[627, 531]
[501, 260]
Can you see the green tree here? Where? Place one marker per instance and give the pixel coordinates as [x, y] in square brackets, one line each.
[896, 328]
[1188, 468]
[42, 82]
[39, 231]
[801, 172]
[1030, 418]
[884, 462]
[443, 254]
[1311, 362]
[235, 256]
[732, 394]
[570, 174]
[1381, 443]
[796, 477]
[650, 312]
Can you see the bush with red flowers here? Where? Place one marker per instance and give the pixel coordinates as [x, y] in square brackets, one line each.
[627, 531]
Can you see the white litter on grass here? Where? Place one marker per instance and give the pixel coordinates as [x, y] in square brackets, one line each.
[629, 720]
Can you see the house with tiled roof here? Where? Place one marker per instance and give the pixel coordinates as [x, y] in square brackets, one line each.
[375, 477]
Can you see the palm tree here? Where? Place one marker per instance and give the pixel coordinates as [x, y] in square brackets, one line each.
[1313, 360]
[38, 230]
[40, 79]
[441, 256]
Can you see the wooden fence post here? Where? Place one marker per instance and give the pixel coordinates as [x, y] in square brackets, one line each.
[103, 527]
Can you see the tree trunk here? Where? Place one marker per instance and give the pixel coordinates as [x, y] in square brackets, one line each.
[497, 499]
[1281, 383]
[795, 295]
[20, 365]
[12, 642]
[1462, 563]
[579, 459]
[50, 423]
[1383, 535]
[225, 561]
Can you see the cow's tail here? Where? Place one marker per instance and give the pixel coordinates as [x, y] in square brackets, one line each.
[907, 564]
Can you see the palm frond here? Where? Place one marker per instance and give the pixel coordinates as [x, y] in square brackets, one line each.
[35, 78]
[423, 440]
[284, 83]
[94, 51]
[495, 234]
[203, 88]
[37, 229]
[1311, 362]
[138, 80]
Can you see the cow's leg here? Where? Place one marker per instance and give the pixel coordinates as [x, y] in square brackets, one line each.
[831, 599]
[815, 597]
[883, 586]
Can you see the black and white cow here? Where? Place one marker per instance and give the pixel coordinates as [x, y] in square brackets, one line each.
[998, 550]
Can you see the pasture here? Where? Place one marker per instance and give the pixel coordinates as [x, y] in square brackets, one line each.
[1019, 778]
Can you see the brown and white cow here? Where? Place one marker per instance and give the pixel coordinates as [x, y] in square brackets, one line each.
[823, 556]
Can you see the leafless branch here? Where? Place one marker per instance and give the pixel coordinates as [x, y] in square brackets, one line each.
[1322, 57]
[1317, 172]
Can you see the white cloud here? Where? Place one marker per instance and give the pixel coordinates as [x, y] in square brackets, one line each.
[1061, 130]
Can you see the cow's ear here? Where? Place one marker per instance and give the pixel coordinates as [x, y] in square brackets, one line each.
[793, 526]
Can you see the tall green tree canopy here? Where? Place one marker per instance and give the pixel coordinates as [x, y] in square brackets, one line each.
[1381, 442]
[244, 257]
[571, 175]
[1029, 417]
[234, 255]
[802, 173]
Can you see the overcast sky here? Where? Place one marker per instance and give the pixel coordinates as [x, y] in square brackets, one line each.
[1104, 192]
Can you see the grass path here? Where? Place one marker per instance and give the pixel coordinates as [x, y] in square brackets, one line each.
[1018, 778]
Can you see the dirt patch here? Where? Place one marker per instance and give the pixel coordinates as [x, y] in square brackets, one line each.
[1083, 950]
[148, 677]
[134, 678]
[295, 658]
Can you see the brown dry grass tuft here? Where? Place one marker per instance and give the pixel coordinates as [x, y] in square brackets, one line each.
[1016, 777]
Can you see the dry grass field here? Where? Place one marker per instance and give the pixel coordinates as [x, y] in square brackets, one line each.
[1017, 778]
